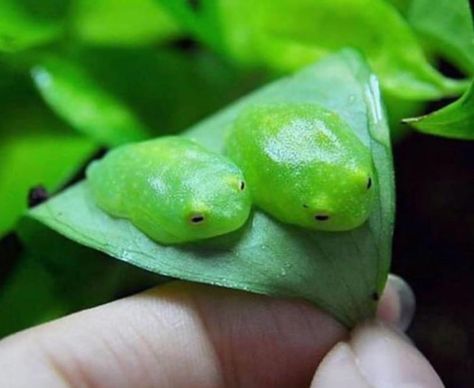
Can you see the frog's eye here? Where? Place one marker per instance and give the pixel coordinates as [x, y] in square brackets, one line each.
[369, 183]
[321, 217]
[242, 185]
[196, 219]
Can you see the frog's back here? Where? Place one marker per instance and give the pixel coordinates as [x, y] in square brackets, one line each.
[107, 179]
[303, 163]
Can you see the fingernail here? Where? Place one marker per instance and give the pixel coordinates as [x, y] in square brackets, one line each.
[407, 301]
[387, 361]
[397, 305]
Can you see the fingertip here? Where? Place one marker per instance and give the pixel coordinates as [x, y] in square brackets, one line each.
[386, 358]
[375, 356]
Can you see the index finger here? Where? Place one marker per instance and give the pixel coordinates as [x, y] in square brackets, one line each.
[181, 334]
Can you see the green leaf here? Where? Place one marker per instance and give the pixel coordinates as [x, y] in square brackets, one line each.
[455, 120]
[84, 104]
[340, 272]
[401, 5]
[34, 149]
[28, 23]
[448, 27]
[122, 22]
[156, 83]
[200, 18]
[286, 35]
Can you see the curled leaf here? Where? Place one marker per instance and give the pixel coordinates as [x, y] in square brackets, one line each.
[343, 273]
[455, 120]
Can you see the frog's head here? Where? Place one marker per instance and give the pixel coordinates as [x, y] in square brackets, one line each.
[219, 201]
[343, 200]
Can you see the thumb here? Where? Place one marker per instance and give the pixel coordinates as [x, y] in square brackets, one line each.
[375, 356]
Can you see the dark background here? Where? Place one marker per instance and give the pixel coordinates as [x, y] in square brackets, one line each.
[434, 249]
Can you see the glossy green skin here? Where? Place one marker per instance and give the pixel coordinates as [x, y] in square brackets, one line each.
[160, 185]
[303, 161]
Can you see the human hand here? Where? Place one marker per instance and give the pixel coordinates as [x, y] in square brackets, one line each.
[190, 335]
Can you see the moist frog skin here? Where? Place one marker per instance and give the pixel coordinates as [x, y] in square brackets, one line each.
[304, 165]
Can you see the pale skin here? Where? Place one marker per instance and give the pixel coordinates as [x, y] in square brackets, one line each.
[188, 335]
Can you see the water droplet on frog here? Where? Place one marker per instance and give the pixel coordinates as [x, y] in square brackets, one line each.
[283, 272]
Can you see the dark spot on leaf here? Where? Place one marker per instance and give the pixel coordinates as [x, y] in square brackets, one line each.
[197, 219]
[184, 44]
[37, 195]
[305, 206]
[321, 217]
[375, 296]
[242, 185]
[369, 183]
[194, 4]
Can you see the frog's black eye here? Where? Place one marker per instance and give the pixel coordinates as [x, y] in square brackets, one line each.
[369, 183]
[321, 217]
[197, 219]
[242, 185]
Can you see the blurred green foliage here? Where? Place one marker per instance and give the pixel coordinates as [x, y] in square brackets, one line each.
[36, 148]
[80, 75]
[285, 35]
[121, 22]
[447, 29]
[29, 23]
[81, 102]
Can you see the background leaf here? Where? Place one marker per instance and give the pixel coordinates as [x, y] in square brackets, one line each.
[448, 27]
[286, 35]
[28, 23]
[80, 100]
[200, 18]
[35, 148]
[401, 5]
[122, 22]
[455, 120]
[343, 273]
[168, 90]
